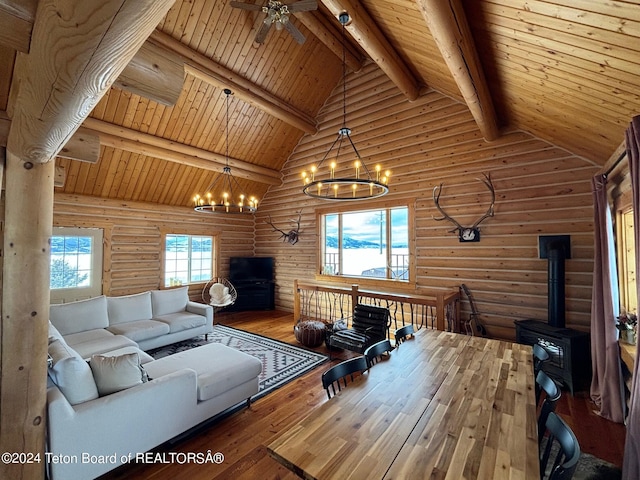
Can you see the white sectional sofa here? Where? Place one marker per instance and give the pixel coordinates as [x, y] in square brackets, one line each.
[109, 401]
[146, 320]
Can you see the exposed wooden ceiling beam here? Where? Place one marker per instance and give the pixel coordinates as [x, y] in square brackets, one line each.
[63, 78]
[16, 22]
[451, 32]
[213, 73]
[60, 176]
[155, 73]
[365, 31]
[143, 143]
[83, 146]
[330, 36]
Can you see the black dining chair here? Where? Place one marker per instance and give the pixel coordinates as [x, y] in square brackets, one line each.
[559, 459]
[341, 371]
[540, 355]
[403, 333]
[545, 384]
[375, 352]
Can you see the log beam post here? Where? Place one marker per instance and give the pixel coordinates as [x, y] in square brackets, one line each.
[77, 51]
[25, 311]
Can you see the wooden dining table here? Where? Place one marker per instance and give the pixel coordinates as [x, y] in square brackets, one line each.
[443, 405]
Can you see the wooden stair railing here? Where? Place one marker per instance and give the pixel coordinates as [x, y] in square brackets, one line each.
[437, 309]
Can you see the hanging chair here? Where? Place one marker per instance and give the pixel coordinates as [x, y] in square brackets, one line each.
[219, 293]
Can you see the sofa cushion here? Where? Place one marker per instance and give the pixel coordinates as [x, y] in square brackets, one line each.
[129, 308]
[115, 373]
[80, 316]
[169, 301]
[71, 373]
[87, 336]
[100, 344]
[182, 321]
[219, 368]
[140, 330]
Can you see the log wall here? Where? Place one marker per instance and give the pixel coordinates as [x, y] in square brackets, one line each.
[133, 243]
[540, 190]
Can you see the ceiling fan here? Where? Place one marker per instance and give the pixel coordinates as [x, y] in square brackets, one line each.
[278, 13]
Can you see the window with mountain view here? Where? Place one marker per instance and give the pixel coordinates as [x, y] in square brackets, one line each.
[76, 264]
[367, 243]
[188, 259]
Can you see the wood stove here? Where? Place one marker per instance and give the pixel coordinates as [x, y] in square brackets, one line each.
[569, 349]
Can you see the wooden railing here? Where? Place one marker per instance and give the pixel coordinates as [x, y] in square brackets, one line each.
[330, 303]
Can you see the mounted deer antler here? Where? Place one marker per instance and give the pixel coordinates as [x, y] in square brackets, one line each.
[291, 236]
[466, 234]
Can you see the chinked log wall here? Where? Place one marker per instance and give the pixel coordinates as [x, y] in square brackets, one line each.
[540, 190]
[133, 238]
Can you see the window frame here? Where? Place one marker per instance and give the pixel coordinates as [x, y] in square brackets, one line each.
[215, 254]
[321, 213]
[95, 288]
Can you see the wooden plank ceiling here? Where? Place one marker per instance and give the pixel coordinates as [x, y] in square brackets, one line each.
[567, 71]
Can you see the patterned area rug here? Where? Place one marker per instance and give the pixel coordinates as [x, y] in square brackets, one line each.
[281, 362]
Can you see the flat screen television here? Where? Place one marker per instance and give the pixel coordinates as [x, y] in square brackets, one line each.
[251, 269]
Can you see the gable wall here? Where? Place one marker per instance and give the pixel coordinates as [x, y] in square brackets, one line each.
[540, 190]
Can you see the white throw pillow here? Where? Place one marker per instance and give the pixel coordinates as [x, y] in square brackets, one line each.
[71, 374]
[115, 373]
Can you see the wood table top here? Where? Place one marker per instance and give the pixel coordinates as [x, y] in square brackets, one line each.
[443, 405]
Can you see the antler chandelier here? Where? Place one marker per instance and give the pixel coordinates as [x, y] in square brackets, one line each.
[337, 187]
[225, 188]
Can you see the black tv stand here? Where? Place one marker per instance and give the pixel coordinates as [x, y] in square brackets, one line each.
[254, 295]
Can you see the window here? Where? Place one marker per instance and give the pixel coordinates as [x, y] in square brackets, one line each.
[76, 264]
[188, 259]
[366, 243]
[627, 261]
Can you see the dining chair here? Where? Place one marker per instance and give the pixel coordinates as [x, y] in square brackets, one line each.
[540, 355]
[562, 448]
[545, 384]
[375, 352]
[341, 371]
[403, 333]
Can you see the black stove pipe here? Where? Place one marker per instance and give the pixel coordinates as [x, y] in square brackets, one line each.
[556, 308]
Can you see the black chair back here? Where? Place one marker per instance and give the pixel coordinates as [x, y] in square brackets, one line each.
[544, 383]
[375, 351]
[540, 355]
[332, 377]
[403, 333]
[565, 461]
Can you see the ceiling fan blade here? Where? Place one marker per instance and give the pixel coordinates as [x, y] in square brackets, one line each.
[295, 33]
[262, 32]
[303, 6]
[246, 6]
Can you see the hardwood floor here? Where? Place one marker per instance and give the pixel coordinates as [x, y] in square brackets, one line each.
[242, 436]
